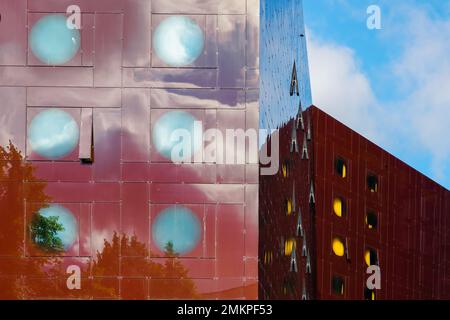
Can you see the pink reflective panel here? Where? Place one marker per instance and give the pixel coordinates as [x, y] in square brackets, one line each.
[116, 88]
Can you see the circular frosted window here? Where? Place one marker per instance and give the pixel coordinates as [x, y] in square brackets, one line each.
[52, 42]
[338, 247]
[174, 132]
[55, 229]
[178, 41]
[176, 226]
[53, 134]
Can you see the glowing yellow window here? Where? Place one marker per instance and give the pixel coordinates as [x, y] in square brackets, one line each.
[338, 247]
[268, 256]
[338, 207]
[289, 246]
[370, 257]
[289, 207]
[285, 169]
[341, 167]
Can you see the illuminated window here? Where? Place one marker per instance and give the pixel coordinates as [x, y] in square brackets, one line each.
[337, 285]
[268, 257]
[52, 42]
[339, 207]
[289, 246]
[372, 183]
[341, 167]
[178, 41]
[289, 207]
[371, 220]
[369, 294]
[371, 257]
[285, 169]
[338, 247]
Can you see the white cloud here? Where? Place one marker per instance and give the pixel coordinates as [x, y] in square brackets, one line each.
[420, 119]
[340, 88]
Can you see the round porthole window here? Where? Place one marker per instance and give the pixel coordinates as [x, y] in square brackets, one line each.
[177, 227]
[178, 41]
[54, 228]
[53, 134]
[52, 42]
[174, 136]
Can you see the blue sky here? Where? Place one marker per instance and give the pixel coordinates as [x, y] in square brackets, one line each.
[391, 85]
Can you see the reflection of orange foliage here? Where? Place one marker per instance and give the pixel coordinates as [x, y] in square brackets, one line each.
[164, 274]
[14, 173]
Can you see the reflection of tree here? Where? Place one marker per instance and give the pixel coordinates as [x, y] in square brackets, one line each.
[106, 263]
[14, 172]
[44, 233]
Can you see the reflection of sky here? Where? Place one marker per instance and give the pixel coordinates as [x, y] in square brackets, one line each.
[167, 125]
[281, 45]
[69, 235]
[178, 225]
[178, 41]
[52, 42]
[53, 133]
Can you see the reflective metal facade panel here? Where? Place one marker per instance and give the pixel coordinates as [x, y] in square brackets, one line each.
[283, 43]
[140, 226]
[369, 208]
